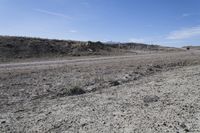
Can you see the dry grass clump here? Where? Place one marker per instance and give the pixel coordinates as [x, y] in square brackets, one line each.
[75, 90]
[114, 83]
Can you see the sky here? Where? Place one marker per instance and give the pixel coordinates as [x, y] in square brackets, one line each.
[163, 22]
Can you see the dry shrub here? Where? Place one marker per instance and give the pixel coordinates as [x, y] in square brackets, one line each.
[75, 90]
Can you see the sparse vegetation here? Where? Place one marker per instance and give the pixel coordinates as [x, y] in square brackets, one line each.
[114, 83]
[120, 88]
[75, 90]
[54, 100]
[23, 47]
[150, 99]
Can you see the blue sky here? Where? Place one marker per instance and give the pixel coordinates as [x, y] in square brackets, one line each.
[165, 22]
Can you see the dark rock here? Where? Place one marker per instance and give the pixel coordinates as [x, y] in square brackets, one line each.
[150, 99]
[183, 125]
[114, 83]
[164, 124]
[186, 130]
[150, 69]
[157, 66]
[3, 122]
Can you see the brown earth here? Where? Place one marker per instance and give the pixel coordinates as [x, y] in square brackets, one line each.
[22, 48]
[157, 92]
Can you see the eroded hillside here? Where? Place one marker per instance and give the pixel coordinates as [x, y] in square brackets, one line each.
[21, 48]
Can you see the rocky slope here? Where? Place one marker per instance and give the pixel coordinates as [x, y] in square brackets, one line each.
[22, 48]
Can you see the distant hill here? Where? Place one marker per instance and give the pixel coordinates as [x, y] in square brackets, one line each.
[24, 47]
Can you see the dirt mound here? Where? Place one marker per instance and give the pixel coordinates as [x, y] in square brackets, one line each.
[20, 47]
[23, 47]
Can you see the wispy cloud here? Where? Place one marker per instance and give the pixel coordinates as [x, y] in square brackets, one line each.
[137, 40]
[149, 25]
[186, 15]
[73, 31]
[52, 13]
[184, 33]
[86, 4]
[147, 39]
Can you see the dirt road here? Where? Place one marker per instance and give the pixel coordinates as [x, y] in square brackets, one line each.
[62, 62]
[140, 93]
[56, 63]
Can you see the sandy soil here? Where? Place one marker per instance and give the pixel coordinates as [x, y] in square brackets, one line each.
[150, 93]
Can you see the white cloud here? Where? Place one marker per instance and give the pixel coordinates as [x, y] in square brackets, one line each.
[147, 39]
[86, 4]
[52, 13]
[186, 14]
[137, 40]
[184, 33]
[73, 31]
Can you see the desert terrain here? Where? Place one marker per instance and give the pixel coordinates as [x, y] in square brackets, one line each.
[141, 91]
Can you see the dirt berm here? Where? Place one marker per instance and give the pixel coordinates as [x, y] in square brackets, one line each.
[22, 47]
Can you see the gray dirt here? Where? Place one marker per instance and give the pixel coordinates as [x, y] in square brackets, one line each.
[154, 93]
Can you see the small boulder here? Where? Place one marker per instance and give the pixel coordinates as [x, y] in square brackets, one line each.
[114, 83]
[150, 99]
